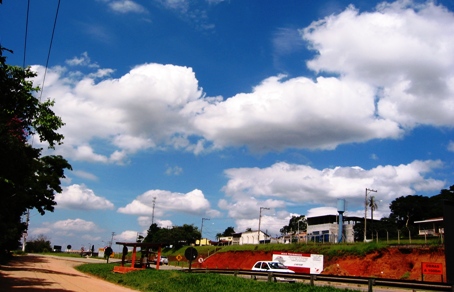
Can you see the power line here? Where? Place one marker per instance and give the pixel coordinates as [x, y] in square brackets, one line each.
[26, 33]
[50, 47]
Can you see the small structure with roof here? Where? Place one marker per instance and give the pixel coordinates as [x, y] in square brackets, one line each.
[143, 263]
[431, 227]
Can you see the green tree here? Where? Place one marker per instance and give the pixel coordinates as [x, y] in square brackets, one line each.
[372, 203]
[229, 231]
[435, 209]
[151, 232]
[176, 236]
[27, 178]
[295, 223]
[39, 244]
[406, 210]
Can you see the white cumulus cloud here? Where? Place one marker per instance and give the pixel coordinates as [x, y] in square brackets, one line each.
[82, 198]
[284, 185]
[193, 202]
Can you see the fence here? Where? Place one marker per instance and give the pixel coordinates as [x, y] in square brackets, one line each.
[328, 280]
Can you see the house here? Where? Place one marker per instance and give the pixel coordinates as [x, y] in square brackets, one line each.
[225, 240]
[203, 241]
[250, 237]
[431, 227]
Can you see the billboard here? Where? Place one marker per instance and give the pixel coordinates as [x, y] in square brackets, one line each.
[300, 262]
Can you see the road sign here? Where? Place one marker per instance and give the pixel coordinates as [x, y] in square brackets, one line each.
[432, 269]
[191, 254]
[179, 257]
[200, 260]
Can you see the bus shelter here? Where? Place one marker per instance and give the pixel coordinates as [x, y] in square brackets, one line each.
[136, 264]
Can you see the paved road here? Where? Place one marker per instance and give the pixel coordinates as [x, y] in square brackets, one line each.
[47, 273]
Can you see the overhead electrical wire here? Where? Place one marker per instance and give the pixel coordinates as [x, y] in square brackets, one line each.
[50, 48]
[26, 33]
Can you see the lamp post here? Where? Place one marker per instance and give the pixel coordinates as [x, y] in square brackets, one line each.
[201, 231]
[298, 239]
[260, 219]
[365, 212]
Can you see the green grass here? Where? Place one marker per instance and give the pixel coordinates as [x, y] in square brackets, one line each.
[176, 281]
[328, 250]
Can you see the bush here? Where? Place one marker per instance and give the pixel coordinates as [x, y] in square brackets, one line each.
[40, 244]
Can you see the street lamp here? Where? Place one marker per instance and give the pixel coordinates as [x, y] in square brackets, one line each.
[365, 212]
[260, 219]
[298, 239]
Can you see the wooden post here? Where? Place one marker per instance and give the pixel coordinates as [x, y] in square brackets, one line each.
[133, 261]
[158, 260]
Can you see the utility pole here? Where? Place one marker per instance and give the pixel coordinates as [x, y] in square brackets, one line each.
[365, 212]
[260, 219]
[111, 240]
[201, 231]
[152, 214]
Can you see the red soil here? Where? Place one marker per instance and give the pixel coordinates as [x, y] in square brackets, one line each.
[391, 263]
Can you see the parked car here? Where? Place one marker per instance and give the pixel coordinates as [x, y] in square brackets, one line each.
[164, 260]
[271, 266]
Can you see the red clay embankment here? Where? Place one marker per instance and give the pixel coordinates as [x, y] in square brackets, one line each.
[391, 263]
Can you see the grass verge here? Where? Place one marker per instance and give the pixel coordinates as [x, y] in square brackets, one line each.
[176, 281]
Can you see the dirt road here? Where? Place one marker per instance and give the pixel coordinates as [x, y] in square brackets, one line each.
[46, 273]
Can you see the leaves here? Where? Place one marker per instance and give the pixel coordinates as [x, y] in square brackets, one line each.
[296, 223]
[27, 178]
[176, 236]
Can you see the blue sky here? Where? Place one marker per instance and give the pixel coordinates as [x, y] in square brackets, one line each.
[217, 108]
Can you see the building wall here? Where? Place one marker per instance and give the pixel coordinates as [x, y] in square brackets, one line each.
[249, 237]
[204, 241]
[226, 240]
[318, 232]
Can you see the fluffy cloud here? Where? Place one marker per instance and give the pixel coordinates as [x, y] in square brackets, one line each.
[126, 6]
[402, 48]
[82, 198]
[193, 202]
[269, 223]
[127, 236]
[296, 113]
[285, 185]
[74, 225]
[138, 111]
[393, 70]
[451, 146]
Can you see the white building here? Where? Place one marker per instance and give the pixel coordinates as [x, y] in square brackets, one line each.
[250, 237]
[326, 228]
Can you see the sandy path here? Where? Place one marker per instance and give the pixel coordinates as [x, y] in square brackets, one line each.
[46, 273]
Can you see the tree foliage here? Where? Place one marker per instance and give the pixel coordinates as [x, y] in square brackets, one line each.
[176, 236]
[28, 179]
[229, 231]
[39, 244]
[295, 223]
[405, 210]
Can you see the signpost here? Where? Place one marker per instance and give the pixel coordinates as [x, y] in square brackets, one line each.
[191, 254]
[179, 258]
[431, 269]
